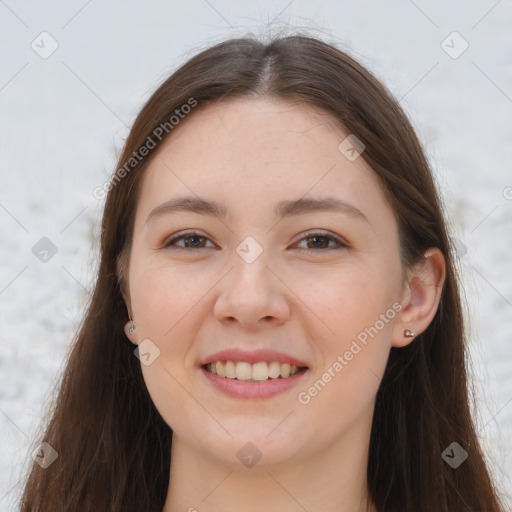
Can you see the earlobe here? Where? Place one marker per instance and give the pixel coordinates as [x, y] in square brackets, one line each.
[131, 332]
[421, 297]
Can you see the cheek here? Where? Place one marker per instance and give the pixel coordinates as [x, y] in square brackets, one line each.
[170, 309]
[357, 307]
[162, 294]
[166, 304]
[352, 300]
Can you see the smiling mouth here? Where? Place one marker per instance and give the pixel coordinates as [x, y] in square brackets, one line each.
[257, 372]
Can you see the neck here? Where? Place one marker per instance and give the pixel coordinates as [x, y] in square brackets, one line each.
[333, 480]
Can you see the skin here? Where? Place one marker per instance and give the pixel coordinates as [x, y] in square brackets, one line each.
[248, 154]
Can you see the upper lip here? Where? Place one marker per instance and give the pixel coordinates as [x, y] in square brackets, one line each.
[254, 356]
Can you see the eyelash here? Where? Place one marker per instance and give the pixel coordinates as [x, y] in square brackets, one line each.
[312, 234]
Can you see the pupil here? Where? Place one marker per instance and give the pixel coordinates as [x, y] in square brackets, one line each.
[317, 241]
[196, 238]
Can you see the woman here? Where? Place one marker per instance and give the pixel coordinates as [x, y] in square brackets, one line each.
[276, 323]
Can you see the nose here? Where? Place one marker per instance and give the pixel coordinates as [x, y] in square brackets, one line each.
[252, 295]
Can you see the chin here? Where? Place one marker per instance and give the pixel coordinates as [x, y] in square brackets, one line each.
[253, 448]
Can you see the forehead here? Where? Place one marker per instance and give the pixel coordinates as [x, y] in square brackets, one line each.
[265, 129]
[250, 152]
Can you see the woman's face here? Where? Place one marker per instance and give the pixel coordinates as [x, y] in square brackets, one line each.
[276, 279]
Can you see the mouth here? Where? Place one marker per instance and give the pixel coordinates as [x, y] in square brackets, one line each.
[252, 381]
[255, 374]
[261, 371]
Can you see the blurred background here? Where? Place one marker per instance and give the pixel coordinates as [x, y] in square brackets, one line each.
[73, 76]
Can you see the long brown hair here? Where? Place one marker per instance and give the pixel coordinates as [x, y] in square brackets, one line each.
[114, 448]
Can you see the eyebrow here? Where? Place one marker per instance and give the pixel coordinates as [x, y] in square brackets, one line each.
[283, 209]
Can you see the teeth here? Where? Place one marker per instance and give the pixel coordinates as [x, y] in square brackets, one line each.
[274, 370]
[242, 370]
[220, 369]
[259, 371]
[230, 368]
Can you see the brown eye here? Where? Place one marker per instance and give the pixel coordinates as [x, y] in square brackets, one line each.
[191, 241]
[316, 241]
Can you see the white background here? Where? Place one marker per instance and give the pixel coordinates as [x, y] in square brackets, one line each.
[64, 118]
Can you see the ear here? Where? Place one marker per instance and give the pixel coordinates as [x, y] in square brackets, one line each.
[129, 330]
[129, 327]
[420, 297]
[132, 336]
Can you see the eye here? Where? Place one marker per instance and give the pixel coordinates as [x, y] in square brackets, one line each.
[320, 241]
[192, 240]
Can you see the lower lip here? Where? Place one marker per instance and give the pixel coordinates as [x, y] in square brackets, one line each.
[245, 389]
